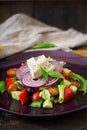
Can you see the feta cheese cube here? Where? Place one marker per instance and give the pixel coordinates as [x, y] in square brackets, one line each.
[33, 67]
[36, 63]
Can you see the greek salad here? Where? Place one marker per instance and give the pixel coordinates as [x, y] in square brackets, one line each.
[42, 81]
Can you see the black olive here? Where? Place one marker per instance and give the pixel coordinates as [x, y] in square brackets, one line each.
[67, 66]
[30, 91]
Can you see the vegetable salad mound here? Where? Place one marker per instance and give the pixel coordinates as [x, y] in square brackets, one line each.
[43, 81]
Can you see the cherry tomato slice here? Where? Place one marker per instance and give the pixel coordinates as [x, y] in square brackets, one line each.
[11, 72]
[36, 96]
[68, 94]
[10, 85]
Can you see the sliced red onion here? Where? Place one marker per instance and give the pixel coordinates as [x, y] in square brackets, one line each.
[57, 66]
[29, 82]
[23, 74]
[22, 71]
[51, 82]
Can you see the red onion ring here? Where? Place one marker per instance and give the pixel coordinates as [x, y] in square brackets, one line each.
[29, 82]
[51, 82]
[22, 71]
[57, 66]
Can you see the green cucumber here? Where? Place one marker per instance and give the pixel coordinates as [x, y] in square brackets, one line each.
[47, 104]
[37, 103]
[66, 70]
[19, 85]
[45, 94]
[66, 82]
[2, 86]
[15, 95]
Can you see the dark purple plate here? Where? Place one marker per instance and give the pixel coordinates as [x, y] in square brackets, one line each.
[77, 63]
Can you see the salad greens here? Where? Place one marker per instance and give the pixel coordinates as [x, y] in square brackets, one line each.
[82, 81]
[2, 86]
[49, 73]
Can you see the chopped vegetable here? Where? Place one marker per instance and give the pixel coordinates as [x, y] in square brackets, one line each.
[47, 104]
[45, 94]
[23, 96]
[53, 91]
[66, 82]
[20, 86]
[37, 103]
[68, 94]
[11, 85]
[2, 86]
[36, 96]
[82, 81]
[61, 93]
[11, 72]
[74, 89]
[15, 94]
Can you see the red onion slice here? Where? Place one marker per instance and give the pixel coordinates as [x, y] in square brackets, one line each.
[57, 66]
[22, 71]
[51, 82]
[29, 82]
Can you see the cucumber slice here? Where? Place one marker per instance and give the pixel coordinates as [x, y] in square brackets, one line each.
[47, 104]
[15, 95]
[45, 94]
[19, 85]
[66, 82]
[37, 103]
[66, 70]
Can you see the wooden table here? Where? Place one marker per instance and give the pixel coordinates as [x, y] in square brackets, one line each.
[73, 121]
[81, 51]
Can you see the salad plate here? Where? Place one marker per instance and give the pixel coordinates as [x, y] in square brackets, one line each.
[77, 63]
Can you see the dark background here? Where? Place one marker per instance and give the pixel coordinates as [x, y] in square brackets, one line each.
[63, 14]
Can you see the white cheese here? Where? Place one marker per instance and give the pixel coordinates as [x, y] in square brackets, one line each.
[36, 63]
[33, 67]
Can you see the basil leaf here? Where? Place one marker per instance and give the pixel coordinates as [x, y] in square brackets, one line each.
[43, 73]
[55, 74]
[44, 45]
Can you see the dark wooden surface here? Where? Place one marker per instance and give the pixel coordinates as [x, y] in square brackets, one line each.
[74, 121]
[60, 13]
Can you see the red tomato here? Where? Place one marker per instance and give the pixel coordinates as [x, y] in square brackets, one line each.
[23, 96]
[63, 73]
[36, 96]
[68, 94]
[10, 85]
[11, 72]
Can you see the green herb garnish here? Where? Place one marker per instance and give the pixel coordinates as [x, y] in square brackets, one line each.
[55, 74]
[46, 75]
[43, 73]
